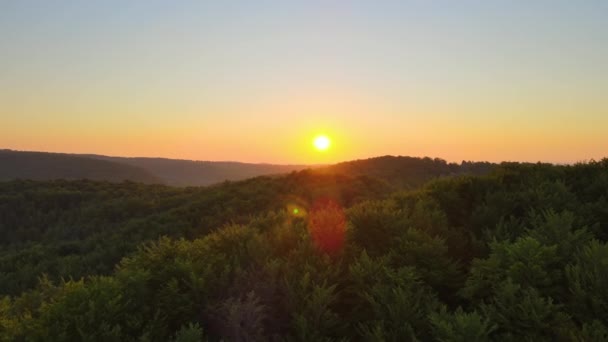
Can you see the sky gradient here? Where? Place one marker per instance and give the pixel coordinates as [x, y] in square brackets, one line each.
[255, 81]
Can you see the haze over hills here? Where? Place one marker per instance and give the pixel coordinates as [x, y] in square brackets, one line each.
[399, 171]
[180, 172]
[48, 166]
[175, 172]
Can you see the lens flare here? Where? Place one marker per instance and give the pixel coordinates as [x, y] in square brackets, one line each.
[296, 210]
[327, 226]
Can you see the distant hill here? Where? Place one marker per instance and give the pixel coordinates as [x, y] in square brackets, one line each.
[398, 171]
[175, 172]
[180, 172]
[407, 172]
[48, 166]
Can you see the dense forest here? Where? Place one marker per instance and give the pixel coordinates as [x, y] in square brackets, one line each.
[367, 251]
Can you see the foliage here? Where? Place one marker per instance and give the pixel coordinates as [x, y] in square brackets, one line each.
[460, 326]
[519, 254]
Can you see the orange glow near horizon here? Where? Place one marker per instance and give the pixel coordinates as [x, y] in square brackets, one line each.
[292, 145]
[217, 81]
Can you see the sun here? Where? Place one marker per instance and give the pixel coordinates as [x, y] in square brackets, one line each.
[321, 142]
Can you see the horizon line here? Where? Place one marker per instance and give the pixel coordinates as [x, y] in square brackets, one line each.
[300, 164]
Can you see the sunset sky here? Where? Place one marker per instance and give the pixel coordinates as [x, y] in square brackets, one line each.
[256, 81]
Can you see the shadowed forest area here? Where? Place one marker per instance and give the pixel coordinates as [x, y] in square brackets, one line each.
[508, 252]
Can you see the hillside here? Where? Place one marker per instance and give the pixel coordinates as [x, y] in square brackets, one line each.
[180, 172]
[407, 172]
[175, 172]
[401, 172]
[80, 228]
[47, 166]
[518, 254]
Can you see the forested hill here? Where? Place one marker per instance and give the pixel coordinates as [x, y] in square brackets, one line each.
[46, 166]
[407, 172]
[399, 171]
[79, 228]
[176, 172]
[519, 254]
[179, 172]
